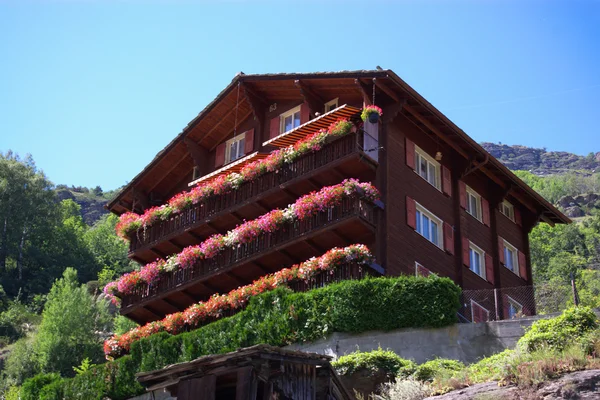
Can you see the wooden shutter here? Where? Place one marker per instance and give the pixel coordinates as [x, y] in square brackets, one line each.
[410, 153]
[501, 250]
[411, 212]
[462, 187]
[446, 181]
[505, 307]
[480, 314]
[249, 141]
[220, 155]
[517, 216]
[489, 268]
[522, 265]
[304, 113]
[275, 127]
[485, 211]
[465, 252]
[448, 238]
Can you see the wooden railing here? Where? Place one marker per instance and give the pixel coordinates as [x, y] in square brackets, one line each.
[197, 214]
[352, 207]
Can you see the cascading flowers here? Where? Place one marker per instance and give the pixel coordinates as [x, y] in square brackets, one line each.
[304, 207]
[371, 113]
[214, 308]
[130, 223]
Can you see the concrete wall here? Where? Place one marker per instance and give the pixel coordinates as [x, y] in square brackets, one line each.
[465, 342]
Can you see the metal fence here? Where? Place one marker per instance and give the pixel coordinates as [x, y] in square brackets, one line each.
[515, 302]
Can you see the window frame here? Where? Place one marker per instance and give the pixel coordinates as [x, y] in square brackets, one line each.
[482, 307]
[419, 209]
[420, 153]
[482, 267]
[514, 303]
[239, 138]
[514, 258]
[417, 265]
[478, 215]
[334, 103]
[511, 207]
[286, 114]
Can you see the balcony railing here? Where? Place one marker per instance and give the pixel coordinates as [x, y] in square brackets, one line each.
[197, 215]
[352, 207]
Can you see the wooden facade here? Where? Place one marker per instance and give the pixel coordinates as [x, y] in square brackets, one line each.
[426, 168]
[255, 373]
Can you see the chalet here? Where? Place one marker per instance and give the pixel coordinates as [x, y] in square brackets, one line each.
[447, 206]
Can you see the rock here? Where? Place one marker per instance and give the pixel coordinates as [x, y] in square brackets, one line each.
[582, 385]
[565, 201]
[574, 212]
[365, 381]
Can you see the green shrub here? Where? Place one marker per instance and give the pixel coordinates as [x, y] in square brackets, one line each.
[557, 333]
[492, 368]
[278, 318]
[33, 387]
[373, 361]
[428, 370]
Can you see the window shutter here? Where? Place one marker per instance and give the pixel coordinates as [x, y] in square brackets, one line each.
[274, 127]
[522, 265]
[489, 268]
[249, 141]
[517, 216]
[410, 153]
[462, 187]
[485, 211]
[220, 155]
[501, 250]
[304, 113]
[411, 212]
[446, 181]
[448, 238]
[465, 252]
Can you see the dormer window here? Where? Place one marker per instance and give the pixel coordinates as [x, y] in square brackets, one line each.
[331, 105]
[234, 148]
[508, 210]
[290, 120]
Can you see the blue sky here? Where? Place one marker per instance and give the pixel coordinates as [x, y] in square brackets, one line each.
[94, 89]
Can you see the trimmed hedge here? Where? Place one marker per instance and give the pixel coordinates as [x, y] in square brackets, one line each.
[278, 318]
[374, 361]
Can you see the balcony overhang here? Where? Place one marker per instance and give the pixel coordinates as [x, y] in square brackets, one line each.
[322, 122]
[235, 166]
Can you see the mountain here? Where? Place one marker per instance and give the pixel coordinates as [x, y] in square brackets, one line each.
[91, 201]
[541, 161]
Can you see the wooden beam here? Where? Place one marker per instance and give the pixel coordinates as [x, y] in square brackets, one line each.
[364, 90]
[187, 296]
[198, 153]
[241, 120]
[139, 197]
[260, 204]
[257, 104]
[392, 111]
[311, 243]
[262, 267]
[237, 217]
[175, 244]
[153, 312]
[290, 258]
[313, 183]
[193, 235]
[212, 228]
[170, 305]
[315, 102]
[236, 278]
[165, 173]
[159, 253]
[387, 90]
[340, 235]
[289, 193]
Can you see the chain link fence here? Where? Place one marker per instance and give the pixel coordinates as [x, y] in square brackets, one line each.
[514, 302]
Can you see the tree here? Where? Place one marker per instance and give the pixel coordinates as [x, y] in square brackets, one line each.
[70, 324]
[108, 250]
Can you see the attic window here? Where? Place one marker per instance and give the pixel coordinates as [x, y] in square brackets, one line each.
[508, 210]
[331, 105]
[290, 120]
[234, 148]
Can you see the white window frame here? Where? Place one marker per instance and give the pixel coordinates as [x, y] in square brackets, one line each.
[240, 147]
[515, 304]
[510, 214]
[286, 114]
[478, 212]
[437, 168]
[482, 307]
[331, 105]
[432, 217]
[514, 258]
[481, 253]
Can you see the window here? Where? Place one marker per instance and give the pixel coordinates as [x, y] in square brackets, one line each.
[420, 270]
[429, 226]
[234, 148]
[479, 313]
[511, 258]
[513, 308]
[427, 167]
[508, 209]
[331, 105]
[474, 203]
[290, 120]
[476, 260]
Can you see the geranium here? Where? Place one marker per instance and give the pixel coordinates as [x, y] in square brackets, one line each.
[368, 110]
[223, 184]
[215, 307]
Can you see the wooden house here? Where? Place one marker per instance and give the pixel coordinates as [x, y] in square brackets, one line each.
[448, 206]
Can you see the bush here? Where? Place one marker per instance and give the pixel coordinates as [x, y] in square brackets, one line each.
[32, 388]
[374, 361]
[278, 318]
[428, 370]
[557, 333]
[403, 389]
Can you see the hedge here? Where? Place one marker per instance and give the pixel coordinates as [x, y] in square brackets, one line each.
[278, 318]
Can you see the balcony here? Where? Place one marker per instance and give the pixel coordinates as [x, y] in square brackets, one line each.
[352, 221]
[341, 158]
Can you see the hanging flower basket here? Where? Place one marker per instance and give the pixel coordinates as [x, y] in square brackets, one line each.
[371, 113]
